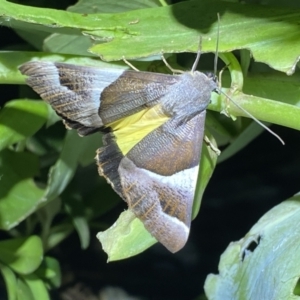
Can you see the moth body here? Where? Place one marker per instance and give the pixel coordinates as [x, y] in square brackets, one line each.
[189, 96]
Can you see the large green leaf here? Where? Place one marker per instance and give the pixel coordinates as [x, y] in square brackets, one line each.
[208, 163]
[11, 60]
[76, 209]
[10, 280]
[35, 288]
[23, 290]
[268, 32]
[74, 44]
[265, 264]
[108, 6]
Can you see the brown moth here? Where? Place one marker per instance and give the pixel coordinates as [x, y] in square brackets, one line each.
[152, 127]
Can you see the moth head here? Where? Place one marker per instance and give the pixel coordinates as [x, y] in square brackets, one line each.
[214, 78]
[204, 81]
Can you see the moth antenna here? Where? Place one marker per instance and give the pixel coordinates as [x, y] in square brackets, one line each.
[174, 71]
[235, 103]
[253, 118]
[198, 55]
[129, 64]
[217, 46]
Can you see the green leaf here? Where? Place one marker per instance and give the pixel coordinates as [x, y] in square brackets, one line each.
[92, 142]
[36, 288]
[107, 6]
[74, 44]
[10, 281]
[261, 108]
[33, 37]
[59, 233]
[23, 255]
[20, 119]
[222, 128]
[207, 163]
[71, 44]
[259, 266]
[75, 208]
[19, 196]
[23, 290]
[45, 215]
[62, 172]
[275, 86]
[82, 227]
[11, 60]
[178, 28]
[49, 271]
[175, 28]
[126, 238]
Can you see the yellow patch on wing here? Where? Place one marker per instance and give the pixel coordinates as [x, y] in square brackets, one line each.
[132, 129]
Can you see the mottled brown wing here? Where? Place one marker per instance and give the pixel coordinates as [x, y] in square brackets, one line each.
[132, 92]
[88, 98]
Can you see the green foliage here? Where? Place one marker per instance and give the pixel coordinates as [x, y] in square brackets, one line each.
[265, 263]
[26, 273]
[42, 168]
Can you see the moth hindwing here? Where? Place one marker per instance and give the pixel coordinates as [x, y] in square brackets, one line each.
[152, 128]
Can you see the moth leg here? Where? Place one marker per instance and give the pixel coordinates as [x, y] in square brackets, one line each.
[220, 75]
[227, 100]
[129, 64]
[174, 71]
[211, 145]
[198, 55]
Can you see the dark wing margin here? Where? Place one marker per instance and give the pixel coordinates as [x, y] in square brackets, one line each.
[108, 159]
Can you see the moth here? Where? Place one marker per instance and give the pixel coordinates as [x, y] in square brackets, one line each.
[152, 127]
